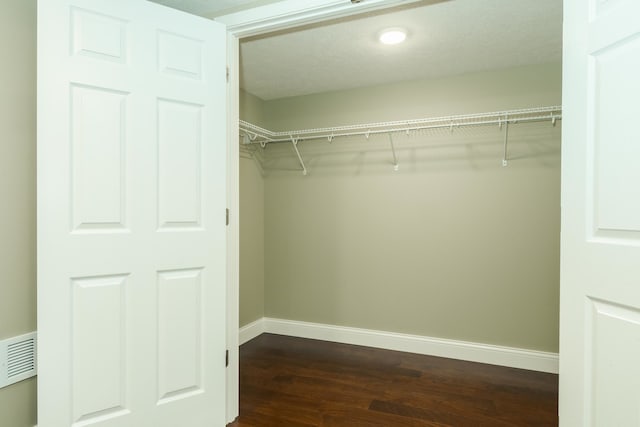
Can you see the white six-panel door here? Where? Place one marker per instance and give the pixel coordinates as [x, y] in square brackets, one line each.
[600, 276]
[131, 215]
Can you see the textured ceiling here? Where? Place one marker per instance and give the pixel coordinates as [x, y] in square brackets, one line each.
[445, 38]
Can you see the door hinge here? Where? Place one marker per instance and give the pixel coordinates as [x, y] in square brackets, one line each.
[226, 359]
[227, 74]
[227, 221]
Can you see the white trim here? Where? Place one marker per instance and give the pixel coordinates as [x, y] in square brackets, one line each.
[233, 230]
[290, 13]
[453, 349]
[251, 330]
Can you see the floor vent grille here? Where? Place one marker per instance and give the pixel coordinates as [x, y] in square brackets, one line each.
[17, 359]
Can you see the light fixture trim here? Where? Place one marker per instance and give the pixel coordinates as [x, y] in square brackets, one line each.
[391, 36]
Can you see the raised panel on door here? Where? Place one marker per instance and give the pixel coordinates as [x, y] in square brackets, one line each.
[612, 132]
[98, 35]
[180, 56]
[98, 159]
[613, 351]
[180, 334]
[179, 164]
[99, 310]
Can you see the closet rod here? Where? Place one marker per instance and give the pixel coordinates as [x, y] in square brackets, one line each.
[256, 135]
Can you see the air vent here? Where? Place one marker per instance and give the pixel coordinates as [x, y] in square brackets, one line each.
[17, 359]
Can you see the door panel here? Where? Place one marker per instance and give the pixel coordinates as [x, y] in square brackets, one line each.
[98, 162]
[179, 327]
[131, 224]
[99, 305]
[179, 141]
[612, 332]
[600, 296]
[613, 110]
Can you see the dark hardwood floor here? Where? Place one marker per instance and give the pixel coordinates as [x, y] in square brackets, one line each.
[294, 382]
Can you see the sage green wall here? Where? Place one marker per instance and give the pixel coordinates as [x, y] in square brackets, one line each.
[18, 192]
[452, 245]
[251, 221]
[251, 108]
[469, 93]
[251, 242]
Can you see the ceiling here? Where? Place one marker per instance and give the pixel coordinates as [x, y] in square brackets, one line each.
[446, 37]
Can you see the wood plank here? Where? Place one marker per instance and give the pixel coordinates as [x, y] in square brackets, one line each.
[295, 382]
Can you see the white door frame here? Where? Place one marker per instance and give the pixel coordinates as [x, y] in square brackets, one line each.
[261, 20]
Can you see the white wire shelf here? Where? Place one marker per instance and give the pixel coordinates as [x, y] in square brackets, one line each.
[253, 134]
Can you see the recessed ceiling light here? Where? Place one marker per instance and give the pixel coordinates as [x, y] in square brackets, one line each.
[393, 36]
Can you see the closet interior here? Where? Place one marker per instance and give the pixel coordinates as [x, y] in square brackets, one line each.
[410, 189]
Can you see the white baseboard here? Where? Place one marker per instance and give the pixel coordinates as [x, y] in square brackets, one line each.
[462, 350]
[250, 331]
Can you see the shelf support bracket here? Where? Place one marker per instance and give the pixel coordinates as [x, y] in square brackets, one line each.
[393, 151]
[294, 141]
[506, 139]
